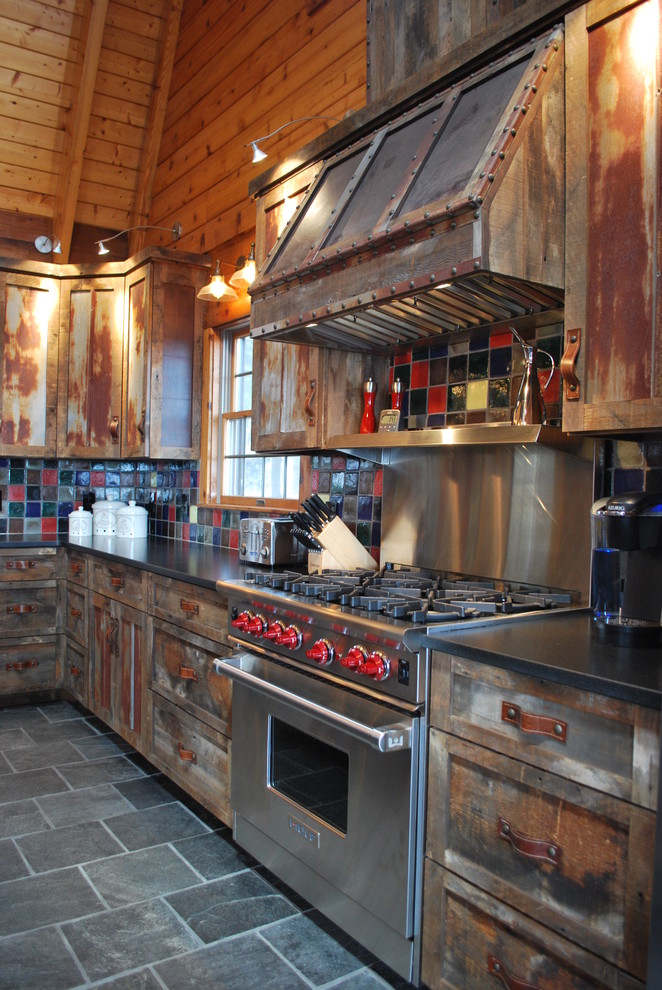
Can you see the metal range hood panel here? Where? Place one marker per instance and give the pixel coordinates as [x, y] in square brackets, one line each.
[450, 217]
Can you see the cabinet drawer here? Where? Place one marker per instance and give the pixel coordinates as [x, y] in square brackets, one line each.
[473, 940]
[116, 580]
[76, 613]
[28, 610]
[29, 665]
[76, 567]
[74, 671]
[17, 565]
[202, 610]
[576, 860]
[611, 745]
[196, 756]
[182, 671]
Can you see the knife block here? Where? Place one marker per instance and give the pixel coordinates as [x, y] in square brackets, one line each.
[341, 543]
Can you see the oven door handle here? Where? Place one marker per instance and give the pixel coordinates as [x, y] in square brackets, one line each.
[385, 738]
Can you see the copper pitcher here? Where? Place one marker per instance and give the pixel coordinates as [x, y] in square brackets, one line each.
[529, 407]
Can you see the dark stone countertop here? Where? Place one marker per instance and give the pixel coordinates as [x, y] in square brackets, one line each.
[566, 647]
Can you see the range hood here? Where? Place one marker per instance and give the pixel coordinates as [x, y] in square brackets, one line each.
[448, 218]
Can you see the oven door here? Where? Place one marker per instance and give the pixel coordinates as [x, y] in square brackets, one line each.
[324, 792]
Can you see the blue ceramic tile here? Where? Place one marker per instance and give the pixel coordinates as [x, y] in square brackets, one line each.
[32, 510]
[439, 350]
[351, 482]
[64, 509]
[365, 507]
[337, 482]
[418, 401]
[83, 478]
[436, 420]
[33, 493]
[501, 361]
[376, 534]
[112, 479]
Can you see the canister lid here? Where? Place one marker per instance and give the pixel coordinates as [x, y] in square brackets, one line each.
[80, 513]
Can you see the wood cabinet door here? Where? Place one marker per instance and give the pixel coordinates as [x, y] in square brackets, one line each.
[137, 327]
[104, 645]
[612, 305]
[287, 396]
[29, 317]
[117, 682]
[90, 376]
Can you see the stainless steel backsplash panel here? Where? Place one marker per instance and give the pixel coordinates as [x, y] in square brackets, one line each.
[519, 513]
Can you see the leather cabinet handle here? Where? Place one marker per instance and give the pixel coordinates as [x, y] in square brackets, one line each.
[75, 613]
[20, 565]
[76, 568]
[496, 968]
[187, 755]
[540, 725]
[21, 609]
[22, 665]
[112, 635]
[117, 582]
[75, 671]
[571, 384]
[191, 607]
[114, 428]
[188, 673]
[541, 849]
[141, 426]
[308, 403]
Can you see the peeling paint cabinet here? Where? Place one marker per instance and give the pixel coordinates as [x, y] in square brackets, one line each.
[29, 316]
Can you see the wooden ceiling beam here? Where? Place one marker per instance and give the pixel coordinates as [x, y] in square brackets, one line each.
[150, 154]
[66, 198]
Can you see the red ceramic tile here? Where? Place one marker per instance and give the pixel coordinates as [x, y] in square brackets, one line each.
[234, 539]
[172, 513]
[217, 517]
[501, 339]
[49, 525]
[185, 531]
[420, 371]
[437, 399]
[186, 479]
[315, 481]
[338, 463]
[404, 358]
[49, 476]
[97, 479]
[16, 493]
[378, 488]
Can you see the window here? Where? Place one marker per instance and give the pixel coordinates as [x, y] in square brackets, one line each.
[232, 474]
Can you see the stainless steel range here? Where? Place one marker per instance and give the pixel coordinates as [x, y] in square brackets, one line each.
[329, 734]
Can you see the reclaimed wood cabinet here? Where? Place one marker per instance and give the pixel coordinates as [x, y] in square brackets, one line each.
[612, 366]
[29, 317]
[29, 624]
[191, 704]
[540, 832]
[90, 367]
[161, 408]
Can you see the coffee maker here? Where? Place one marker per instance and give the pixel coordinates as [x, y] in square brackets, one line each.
[626, 564]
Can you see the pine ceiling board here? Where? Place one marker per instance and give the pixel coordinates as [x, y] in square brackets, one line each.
[113, 153]
[27, 179]
[24, 201]
[108, 175]
[44, 90]
[60, 18]
[121, 132]
[24, 155]
[121, 88]
[108, 196]
[25, 129]
[25, 36]
[98, 215]
[145, 24]
[136, 46]
[46, 67]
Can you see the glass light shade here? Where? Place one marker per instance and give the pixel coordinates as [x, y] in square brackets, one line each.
[244, 276]
[217, 288]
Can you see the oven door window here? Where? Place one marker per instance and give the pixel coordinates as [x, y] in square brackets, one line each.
[309, 772]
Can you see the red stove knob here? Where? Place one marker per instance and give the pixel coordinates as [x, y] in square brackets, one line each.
[322, 652]
[256, 625]
[376, 666]
[355, 658]
[242, 620]
[290, 637]
[274, 631]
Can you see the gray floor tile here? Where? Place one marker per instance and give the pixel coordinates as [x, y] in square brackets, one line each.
[141, 875]
[20, 818]
[147, 792]
[44, 900]
[12, 864]
[128, 938]
[99, 747]
[4, 766]
[46, 733]
[226, 907]
[88, 805]
[15, 738]
[30, 784]
[36, 757]
[312, 951]
[214, 855]
[37, 960]
[152, 826]
[67, 846]
[101, 772]
[365, 980]
[241, 964]
[24, 715]
[59, 711]
[144, 979]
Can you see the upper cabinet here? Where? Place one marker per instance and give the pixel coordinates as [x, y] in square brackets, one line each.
[29, 316]
[161, 408]
[90, 378]
[613, 361]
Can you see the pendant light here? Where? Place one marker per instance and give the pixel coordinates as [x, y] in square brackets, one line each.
[245, 275]
[217, 288]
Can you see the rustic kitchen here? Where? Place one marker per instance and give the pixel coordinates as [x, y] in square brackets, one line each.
[331, 494]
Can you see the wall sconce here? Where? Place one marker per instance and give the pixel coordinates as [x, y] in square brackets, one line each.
[259, 155]
[217, 288]
[245, 275]
[175, 230]
[45, 245]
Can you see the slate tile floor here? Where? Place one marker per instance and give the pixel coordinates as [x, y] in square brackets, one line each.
[111, 877]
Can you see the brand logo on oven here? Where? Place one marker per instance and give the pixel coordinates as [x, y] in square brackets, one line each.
[309, 834]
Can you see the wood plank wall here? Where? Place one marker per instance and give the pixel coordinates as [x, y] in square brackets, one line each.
[241, 70]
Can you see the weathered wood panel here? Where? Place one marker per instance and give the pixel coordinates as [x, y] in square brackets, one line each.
[200, 610]
[29, 665]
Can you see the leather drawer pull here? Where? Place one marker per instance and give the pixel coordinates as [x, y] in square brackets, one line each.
[75, 613]
[187, 755]
[22, 665]
[75, 671]
[117, 582]
[188, 673]
[540, 725]
[76, 568]
[192, 607]
[571, 383]
[496, 968]
[20, 565]
[21, 609]
[533, 848]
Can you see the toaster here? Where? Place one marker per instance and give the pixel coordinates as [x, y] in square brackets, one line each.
[269, 541]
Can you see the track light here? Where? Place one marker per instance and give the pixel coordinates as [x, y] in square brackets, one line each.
[259, 155]
[217, 288]
[175, 230]
[245, 275]
[46, 245]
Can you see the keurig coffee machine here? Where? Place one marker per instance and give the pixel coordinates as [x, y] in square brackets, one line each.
[626, 566]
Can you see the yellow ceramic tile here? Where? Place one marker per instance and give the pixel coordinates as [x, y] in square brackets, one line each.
[477, 395]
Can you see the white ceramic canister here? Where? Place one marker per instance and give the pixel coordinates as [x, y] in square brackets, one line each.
[131, 522]
[80, 522]
[105, 517]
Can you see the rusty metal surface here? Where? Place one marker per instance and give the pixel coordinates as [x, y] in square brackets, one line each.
[24, 365]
